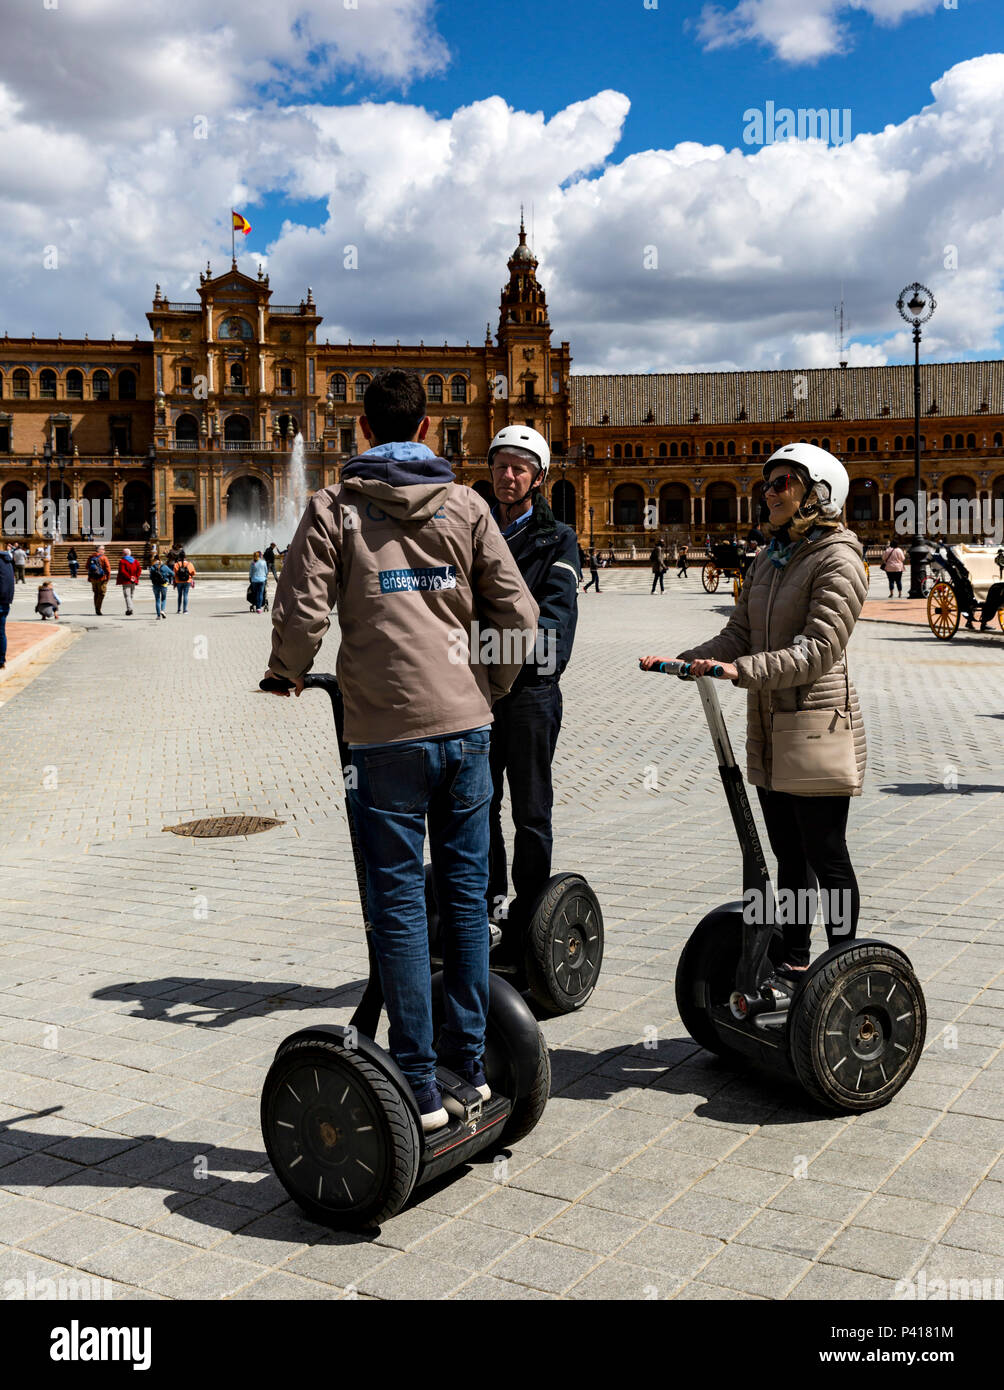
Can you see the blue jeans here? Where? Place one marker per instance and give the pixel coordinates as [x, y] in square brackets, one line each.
[183, 596]
[160, 598]
[398, 786]
[258, 592]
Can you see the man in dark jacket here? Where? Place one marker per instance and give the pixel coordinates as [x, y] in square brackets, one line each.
[6, 598]
[528, 719]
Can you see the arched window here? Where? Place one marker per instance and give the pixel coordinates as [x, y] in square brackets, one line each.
[720, 449]
[674, 451]
[127, 385]
[897, 443]
[999, 441]
[74, 385]
[590, 451]
[236, 374]
[337, 387]
[873, 445]
[826, 444]
[958, 442]
[709, 449]
[628, 451]
[756, 447]
[970, 441]
[22, 384]
[946, 443]
[186, 431]
[814, 441]
[851, 447]
[458, 390]
[101, 385]
[434, 389]
[731, 447]
[909, 441]
[629, 502]
[47, 384]
[662, 451]
[361, 383]
[617, 451]
[684, 449]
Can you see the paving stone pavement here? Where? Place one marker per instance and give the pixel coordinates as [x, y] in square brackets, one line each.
[145, 980]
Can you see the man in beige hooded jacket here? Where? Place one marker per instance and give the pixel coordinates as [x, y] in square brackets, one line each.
[435, 625]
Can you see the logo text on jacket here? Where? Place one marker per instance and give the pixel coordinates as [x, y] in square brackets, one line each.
[428, 577]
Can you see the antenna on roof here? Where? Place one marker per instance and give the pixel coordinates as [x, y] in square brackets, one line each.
[841, 327]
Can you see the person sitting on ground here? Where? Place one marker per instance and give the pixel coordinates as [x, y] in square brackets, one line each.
[420, 575]
[47, 602]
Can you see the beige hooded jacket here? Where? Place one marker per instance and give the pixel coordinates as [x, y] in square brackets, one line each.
[788, 636]
[422, 579]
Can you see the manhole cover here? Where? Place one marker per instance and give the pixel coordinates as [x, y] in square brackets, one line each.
[216, 826]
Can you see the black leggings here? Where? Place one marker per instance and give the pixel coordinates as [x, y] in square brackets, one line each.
[808, 834]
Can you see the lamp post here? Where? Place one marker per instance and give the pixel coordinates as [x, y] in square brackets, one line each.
[62, 494]
[916, 304]
[591, 528]
[151, 454]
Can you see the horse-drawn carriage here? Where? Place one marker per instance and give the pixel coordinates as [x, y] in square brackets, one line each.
[967, 583]
[730, 561]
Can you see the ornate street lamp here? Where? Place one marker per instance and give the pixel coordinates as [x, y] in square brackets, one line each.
[47, 454]
[916, 304]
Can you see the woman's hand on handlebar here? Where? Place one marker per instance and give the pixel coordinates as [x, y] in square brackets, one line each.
[708, 666]
[647, 662]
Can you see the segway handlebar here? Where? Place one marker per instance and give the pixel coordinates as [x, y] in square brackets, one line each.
[681, 669]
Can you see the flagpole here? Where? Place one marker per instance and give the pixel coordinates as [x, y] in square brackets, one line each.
[233, 230]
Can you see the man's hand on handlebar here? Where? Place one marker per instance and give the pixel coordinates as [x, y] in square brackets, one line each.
[294, 688]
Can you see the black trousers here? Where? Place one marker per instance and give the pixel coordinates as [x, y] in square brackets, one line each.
[808, 835]
[657, 579]
[524, 734]
[895, 578]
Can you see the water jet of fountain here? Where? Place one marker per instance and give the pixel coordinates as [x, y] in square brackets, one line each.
[240, 534]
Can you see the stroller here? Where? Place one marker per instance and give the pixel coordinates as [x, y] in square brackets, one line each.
[252, 607]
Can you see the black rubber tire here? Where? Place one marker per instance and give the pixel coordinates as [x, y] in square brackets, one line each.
[394, 1149]
[706, 975]
[884, 1045]
[526, 1111]
[564, 937]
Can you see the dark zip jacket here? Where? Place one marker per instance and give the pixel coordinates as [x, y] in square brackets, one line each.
[547, 554]
[6, 579]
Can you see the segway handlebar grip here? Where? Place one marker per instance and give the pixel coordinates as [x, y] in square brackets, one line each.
[274, 683]
[679, 668]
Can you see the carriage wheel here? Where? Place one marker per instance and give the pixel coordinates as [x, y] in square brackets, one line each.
[868, 571]
[943, 611]
[1000, 617]
[709, 578]
[737, 585]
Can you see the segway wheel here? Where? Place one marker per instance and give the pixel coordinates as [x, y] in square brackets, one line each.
[857, 1028]
[342, 1139]
[564, 945]
[706, 975]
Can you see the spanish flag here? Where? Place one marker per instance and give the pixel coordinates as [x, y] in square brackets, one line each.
[241, 224]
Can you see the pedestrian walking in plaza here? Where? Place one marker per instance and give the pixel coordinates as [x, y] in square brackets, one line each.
[594, 572]
[527, 721]
[129, 575]
[184, 580]
[271, 551]
[681, 562]
[161, 578]
[6, 597]
[893, 562]
[99, 571]
[171, 558]
[657, 564]
[257, 579]
[47, 602]
[73, 560]
[810, 581]
[20, 559]
[419, 572]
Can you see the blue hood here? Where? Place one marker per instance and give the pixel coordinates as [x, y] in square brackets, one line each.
[383, 467]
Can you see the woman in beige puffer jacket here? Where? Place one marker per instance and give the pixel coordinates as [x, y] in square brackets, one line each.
[785, 644]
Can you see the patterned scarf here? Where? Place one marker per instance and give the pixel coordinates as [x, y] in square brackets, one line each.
[782, 548]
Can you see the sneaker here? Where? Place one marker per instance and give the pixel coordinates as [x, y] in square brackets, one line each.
[474, 1074]
[431, 1109]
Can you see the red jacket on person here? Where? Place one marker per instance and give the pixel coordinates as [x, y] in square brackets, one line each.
[130, 571]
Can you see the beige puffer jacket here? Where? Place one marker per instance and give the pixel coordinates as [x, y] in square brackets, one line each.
[799, 663]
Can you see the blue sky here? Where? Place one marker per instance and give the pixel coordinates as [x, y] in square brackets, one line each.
[544, 56]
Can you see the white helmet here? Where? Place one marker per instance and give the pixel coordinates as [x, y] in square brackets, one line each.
[824, 470]
[527, 439]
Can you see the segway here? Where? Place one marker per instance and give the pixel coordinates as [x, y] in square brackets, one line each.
[556, 957]
[341, 1124]
[850, 1031]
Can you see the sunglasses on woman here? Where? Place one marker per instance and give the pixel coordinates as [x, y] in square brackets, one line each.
[781, 483]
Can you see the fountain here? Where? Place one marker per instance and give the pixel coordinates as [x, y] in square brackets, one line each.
[230, 544]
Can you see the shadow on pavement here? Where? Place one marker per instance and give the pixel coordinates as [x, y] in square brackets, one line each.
[222, 1001]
